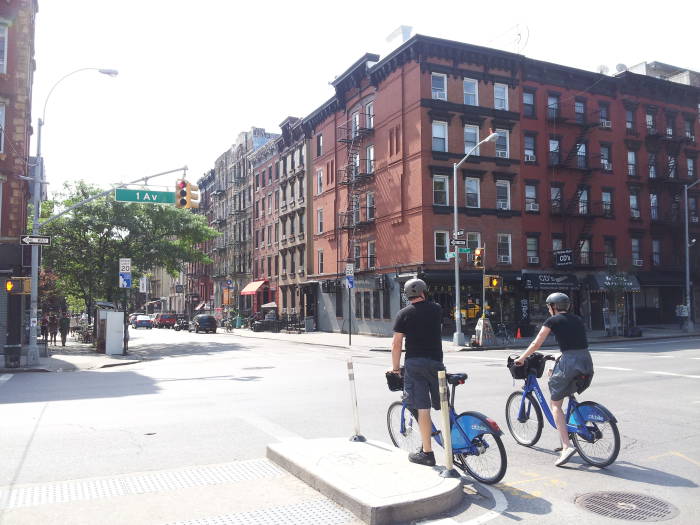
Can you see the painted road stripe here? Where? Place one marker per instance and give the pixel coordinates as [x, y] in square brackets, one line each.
[615, 368]
[5, 378]
[672, 374]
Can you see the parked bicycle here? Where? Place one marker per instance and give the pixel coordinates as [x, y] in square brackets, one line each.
[592, 427]
[476, 443]
[503, 334]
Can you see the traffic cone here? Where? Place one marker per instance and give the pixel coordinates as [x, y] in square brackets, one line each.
[517, 334]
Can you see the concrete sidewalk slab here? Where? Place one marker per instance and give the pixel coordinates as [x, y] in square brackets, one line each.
[373, 480]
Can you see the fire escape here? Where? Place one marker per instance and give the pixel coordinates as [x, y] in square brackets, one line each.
[357, 173]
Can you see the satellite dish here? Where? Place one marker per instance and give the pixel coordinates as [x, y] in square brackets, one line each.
[620, 68]
[603, 69]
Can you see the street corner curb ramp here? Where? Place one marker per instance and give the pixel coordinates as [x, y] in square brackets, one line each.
[373, 480]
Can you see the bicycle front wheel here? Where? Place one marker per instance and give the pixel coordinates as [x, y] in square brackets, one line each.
[527, 429]
[409, 438]
[489, 465]
[604, 446]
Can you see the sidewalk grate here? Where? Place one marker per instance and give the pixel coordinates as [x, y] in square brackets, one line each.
[627, 506]
[101, 488]
[308, 513]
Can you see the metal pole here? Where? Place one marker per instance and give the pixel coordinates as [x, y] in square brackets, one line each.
[126, 325]
[353, 398]
[349, 316]
[449, 471]
[458, 338]
[33, 351]
[689, 324]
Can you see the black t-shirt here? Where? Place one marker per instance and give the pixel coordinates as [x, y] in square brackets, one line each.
[421, 324]
[569, 331]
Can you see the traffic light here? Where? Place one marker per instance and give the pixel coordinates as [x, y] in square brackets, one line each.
[192, 196]
[495, 281]
[181, 193]
[9, 286]
[479, 258]
[18, 285]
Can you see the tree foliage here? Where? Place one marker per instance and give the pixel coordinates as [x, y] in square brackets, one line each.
[89, 241]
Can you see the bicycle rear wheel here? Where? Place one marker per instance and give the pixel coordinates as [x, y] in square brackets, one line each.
[408, 440]
[489, 465]
[528, 429]
[603, 448]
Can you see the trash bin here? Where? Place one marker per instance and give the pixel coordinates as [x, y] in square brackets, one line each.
[12, 356]
[239, 321]
[309, 324]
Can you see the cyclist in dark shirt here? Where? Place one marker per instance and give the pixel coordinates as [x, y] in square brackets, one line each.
[420, 323]
[573, 370]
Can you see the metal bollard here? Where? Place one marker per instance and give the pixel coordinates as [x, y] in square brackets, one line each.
[450, 471]
[353, 398]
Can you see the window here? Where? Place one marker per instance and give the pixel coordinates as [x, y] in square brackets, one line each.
[439, 136]
[277, 231]
[528, 103]
[581, 155]
[553, 106]
[319, 220]
[609, 251]
[367, 305]
[654, 206]
[651, 122]
[503, 248]
[369, 115]
[375, 304]
[604, 114]
[671, 163]
[583, 201]
[632, 163]
[438, 83]
[319, 182]
[320, 261]
[355, 209]
[690, 165]
[339, 303]
[652, 165]
[2, 116]
[3, 50]
[533, 250]
[370, 159]
[471, 139]
[371, 254]
[472, 192]
[269, 203]
[441, 239]
[500, 96]
[386, 304]
[502, 143]
[257, 181]
[529, 148]
[557, 244]
[670, 125]
[554, 149]
[692, 207]
[269, 235]
[634, 203]
[370, 206]
[606, 202]
[358, 305]
[629, 119]
[471, 92]
[262, 236]
[502, 195]
[636, 248]
[357, 256]
[656, 252]
[580, 111]
[555, 198]
[688, 129]
[473, 240]
[441, 194]
[319, 145]
[530, 196]
[585, 251]
[605, 162]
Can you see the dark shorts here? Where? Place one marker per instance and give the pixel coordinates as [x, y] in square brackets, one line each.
[573, 373]
[420, 383]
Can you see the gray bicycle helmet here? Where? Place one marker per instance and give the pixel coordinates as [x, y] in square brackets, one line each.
[560, 301]
[414, 288]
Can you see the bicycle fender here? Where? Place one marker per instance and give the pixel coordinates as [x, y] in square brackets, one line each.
[474, 424]
[592, 411]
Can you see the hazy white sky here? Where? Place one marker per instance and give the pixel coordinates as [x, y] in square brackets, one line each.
[194, 73]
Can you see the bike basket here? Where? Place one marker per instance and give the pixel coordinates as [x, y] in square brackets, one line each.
[394, 381]
[535, 363]
[518, 372]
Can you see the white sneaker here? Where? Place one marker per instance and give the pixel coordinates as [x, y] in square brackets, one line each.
[565, 456]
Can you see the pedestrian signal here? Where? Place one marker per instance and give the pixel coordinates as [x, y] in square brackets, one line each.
[18, 286]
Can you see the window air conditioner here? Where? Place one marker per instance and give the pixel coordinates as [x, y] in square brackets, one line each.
[635, 214]
[612, 261]
[606, 165]
[502, 205]
[605, 123]
[504, 259]
[533, 260]
[532, 206]
[530, 158]
[502, 154]
[638, 262]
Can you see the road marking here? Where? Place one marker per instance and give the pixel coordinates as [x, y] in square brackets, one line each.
[268, 427]
[677, 454]
[5, 378]
[615, 368]
[480, 357]
[672, 374]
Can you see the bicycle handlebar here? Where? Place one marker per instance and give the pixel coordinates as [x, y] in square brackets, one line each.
[550, 357]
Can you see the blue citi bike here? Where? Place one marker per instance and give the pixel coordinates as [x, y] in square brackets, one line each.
[592, 427]
[476, 439]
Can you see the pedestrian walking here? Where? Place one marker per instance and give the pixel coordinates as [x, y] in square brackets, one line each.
[45, 327]
[64, 327]
[53, 328]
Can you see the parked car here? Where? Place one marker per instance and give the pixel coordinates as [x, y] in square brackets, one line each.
[164, 320]
[142, 321]
[203, 323]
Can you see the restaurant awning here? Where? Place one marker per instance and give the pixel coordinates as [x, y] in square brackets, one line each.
[603, 282]
[252, 287]
[549, 281]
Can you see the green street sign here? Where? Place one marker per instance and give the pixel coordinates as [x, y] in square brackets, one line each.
[464, 250]
[450, 255]
[149, 196]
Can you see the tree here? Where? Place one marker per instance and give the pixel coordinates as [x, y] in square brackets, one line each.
[88, 242]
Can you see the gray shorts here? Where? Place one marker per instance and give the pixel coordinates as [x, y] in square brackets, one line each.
[420, 383]
[573, 373]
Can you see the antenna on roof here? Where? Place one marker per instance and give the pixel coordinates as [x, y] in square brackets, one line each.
[603, 69]
[620, 68]
[402, 31]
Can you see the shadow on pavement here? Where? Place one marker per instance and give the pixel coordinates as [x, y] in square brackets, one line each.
[159, 351]
[640, 474]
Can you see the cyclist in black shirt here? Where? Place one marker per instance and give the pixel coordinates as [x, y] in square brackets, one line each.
[420, 323]
[573, 370]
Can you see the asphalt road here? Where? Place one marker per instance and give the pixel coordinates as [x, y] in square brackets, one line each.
[202, 399]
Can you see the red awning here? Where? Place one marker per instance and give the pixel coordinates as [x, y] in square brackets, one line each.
[252, 288]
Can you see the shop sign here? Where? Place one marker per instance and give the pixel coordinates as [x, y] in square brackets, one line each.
[564, 258]
[549, 281]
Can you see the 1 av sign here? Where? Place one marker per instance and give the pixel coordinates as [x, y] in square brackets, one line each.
[143, 195]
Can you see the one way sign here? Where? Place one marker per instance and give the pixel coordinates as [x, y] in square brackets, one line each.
[41, 240]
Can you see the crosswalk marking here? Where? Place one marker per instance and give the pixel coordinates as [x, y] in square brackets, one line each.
[672, 374]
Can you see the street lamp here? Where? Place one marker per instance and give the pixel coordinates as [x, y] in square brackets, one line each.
[689, 324]
[33, 352]
[458, 338]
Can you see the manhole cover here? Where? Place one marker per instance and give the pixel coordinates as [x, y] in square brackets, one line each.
[627, 506]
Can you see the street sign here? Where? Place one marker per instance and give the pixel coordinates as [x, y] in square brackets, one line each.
[458, 234]
[464, 250]
[458, 242]
[229, 282]
[144, 195]
[350, 281]
[143, 284]
[179, 288]
[350, 269]
[124, 265]
[124, 279]
[39, 240]
[564, 258]
[450, 255]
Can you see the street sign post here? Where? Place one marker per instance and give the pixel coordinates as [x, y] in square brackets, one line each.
[350, 281]
[458, 234]
[124, 273]
[450, 255]
[349, 269]
[458, 242]
[144, 195]
[38, 240]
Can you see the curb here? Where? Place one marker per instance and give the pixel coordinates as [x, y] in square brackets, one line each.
[607, 341]
[22, 370]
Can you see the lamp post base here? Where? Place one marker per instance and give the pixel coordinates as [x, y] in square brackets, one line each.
[458, 339]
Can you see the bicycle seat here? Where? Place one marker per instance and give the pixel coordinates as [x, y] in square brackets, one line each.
[456, 379]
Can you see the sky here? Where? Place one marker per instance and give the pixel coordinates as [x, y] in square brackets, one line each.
[193, 74]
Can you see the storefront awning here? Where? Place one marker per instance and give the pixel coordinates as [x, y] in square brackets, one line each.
[309, 283]
[603, 282]
[656, 278]
[252, 287]
[549, 281]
